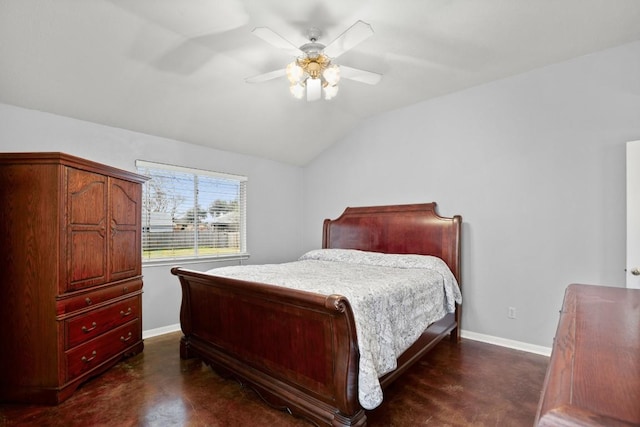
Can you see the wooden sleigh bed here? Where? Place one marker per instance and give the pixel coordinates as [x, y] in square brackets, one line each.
[298, 350]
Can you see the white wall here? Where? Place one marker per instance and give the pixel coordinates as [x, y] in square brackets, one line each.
[273, 217]
[534, 164]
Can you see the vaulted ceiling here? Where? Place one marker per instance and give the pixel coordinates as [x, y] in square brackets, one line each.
[177, 69]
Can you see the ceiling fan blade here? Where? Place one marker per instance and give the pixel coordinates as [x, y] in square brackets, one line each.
[354, 35]
[266, 76]
[275, 39]
[362, 76]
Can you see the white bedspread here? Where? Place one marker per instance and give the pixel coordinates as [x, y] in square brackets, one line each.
[393, 297]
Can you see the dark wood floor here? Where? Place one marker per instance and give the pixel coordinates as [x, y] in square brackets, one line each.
[464, 384]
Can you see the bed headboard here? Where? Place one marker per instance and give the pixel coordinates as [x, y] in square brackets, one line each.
[398, 229]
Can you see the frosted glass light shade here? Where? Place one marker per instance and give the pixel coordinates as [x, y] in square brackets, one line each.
[314, 89]
[294, 72]
[330, 92]
[332, 75]
[297, 90]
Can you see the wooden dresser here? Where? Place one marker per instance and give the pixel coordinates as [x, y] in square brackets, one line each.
[70, 273]
[593, 377]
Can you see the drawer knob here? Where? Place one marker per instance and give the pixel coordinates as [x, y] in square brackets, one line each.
[88, 301]
[126, 313]
[129, 336]
[87, 330]
[86, 359]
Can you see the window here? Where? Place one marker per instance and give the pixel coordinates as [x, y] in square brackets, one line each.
[191, 213]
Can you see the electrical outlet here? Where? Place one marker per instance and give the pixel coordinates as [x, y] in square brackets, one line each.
[511, 314]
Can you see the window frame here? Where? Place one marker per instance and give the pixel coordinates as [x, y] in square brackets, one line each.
[143, 167]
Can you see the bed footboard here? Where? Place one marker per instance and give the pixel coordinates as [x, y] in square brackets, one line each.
[297, 349]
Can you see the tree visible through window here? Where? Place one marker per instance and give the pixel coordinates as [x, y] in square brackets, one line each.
[191, 213]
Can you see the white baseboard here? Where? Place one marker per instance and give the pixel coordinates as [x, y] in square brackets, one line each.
[160, 331]
[517, 345]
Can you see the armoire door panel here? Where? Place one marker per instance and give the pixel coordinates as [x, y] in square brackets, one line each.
[87, 260]
[86, 229]
[123, 258]
[125, 238]
[87, 198]
[125, 205]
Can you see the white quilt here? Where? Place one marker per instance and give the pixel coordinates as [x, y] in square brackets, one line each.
[393, 297]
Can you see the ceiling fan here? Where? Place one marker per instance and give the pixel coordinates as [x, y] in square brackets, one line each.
[314, 73]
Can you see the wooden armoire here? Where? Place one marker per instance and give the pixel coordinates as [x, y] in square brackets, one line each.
[70, 273]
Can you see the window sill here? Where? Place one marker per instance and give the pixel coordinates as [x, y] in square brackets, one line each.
[199, 260]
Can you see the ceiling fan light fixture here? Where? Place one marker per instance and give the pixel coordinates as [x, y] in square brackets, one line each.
[315, 75]
[314, 89]
[331, 74]
[330, 91]
[295, 73]
[297, 90]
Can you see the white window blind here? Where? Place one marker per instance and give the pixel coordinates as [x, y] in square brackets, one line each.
[191, 213]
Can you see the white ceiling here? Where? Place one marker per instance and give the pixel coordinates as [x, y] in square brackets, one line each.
[176, 68]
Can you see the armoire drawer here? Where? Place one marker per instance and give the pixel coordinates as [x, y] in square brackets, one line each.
[91, 354]
[82, 328]
[68, 303]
